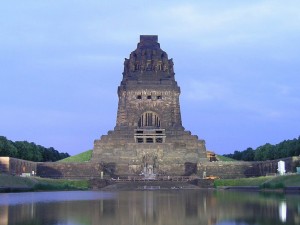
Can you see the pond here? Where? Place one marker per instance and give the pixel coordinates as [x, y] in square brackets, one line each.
[163, 207]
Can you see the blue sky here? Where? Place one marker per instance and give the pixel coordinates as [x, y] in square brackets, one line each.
[237, 63]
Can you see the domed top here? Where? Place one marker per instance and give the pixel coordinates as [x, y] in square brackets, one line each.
[148, 62]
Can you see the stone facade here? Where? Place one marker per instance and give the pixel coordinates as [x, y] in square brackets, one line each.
[149, 136]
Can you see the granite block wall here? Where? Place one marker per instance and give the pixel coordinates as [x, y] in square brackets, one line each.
[89, 170]
[239, 169]
[16, 166]
[69, 170]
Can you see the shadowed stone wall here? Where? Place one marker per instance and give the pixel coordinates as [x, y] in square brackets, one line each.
[69, 170]
[234, 169]
[238, 169]
[16, 166]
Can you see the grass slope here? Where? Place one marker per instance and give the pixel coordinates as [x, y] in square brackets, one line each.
[37, 183]
[263, 182]
[15, 181]
[60, 184]
[283, 181]
[224, 159]
[255, 181]
[82, 157]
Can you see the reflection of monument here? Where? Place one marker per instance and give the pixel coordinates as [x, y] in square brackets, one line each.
[156, 207]
[149, 136]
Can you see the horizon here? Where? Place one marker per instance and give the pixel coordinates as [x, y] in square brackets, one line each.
[237, 64]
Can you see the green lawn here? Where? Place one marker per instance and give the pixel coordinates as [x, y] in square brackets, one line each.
[223, 158]
[285, 181]
[263, 182]
[16, 181]
[37, 183]
[82, 157]
[60, 184]
[256, 181]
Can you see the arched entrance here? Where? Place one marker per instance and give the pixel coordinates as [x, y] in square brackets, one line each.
[149, 129]
[149, 119]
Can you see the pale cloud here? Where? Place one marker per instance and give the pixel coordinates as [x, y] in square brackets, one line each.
[79, 59]
[207, 24]
[251, 103]
[206, 91]
[258, 109]
[248, 22]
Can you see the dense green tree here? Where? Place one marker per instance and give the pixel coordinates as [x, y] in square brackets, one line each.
[286, 148]
[248, 155]
[29, 151]
[7, 148]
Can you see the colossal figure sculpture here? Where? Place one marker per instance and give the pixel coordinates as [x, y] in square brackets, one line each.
[149, 137]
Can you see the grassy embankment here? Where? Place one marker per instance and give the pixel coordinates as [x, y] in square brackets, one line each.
[45, 184]
[224, 159]
[82, 157]
[41, 184]
[268, 182]
[36, 183]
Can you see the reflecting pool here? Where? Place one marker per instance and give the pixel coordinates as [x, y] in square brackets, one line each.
[201, 207]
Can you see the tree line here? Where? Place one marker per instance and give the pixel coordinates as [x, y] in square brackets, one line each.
[286, 148]
[29, 151]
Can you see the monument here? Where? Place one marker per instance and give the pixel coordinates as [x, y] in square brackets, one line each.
[149, 138]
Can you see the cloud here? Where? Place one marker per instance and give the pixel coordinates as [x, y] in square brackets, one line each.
[211, 25]
[267, 101]
[202, 91]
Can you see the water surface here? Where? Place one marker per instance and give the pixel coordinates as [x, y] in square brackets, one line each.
[194, 207]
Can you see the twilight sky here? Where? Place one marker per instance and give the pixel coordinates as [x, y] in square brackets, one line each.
[237, 63]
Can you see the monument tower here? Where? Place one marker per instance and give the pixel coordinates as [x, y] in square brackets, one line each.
[149, 137]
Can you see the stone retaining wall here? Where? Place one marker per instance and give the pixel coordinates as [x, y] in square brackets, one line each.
[69, 170]
[16, 166]
[233, 169]
[238, 169]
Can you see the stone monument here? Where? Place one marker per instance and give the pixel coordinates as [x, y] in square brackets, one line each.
[149, 138]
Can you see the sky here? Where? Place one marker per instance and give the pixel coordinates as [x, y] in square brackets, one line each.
[237, 64]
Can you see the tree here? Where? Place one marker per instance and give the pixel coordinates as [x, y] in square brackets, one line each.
[29, 151]
[286, 148]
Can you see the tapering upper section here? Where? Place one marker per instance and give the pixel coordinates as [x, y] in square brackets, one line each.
[148, 62]
[148, 41]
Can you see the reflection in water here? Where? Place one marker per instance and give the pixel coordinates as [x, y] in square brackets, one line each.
[282, 211]
[4, 215]
[149, 207]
